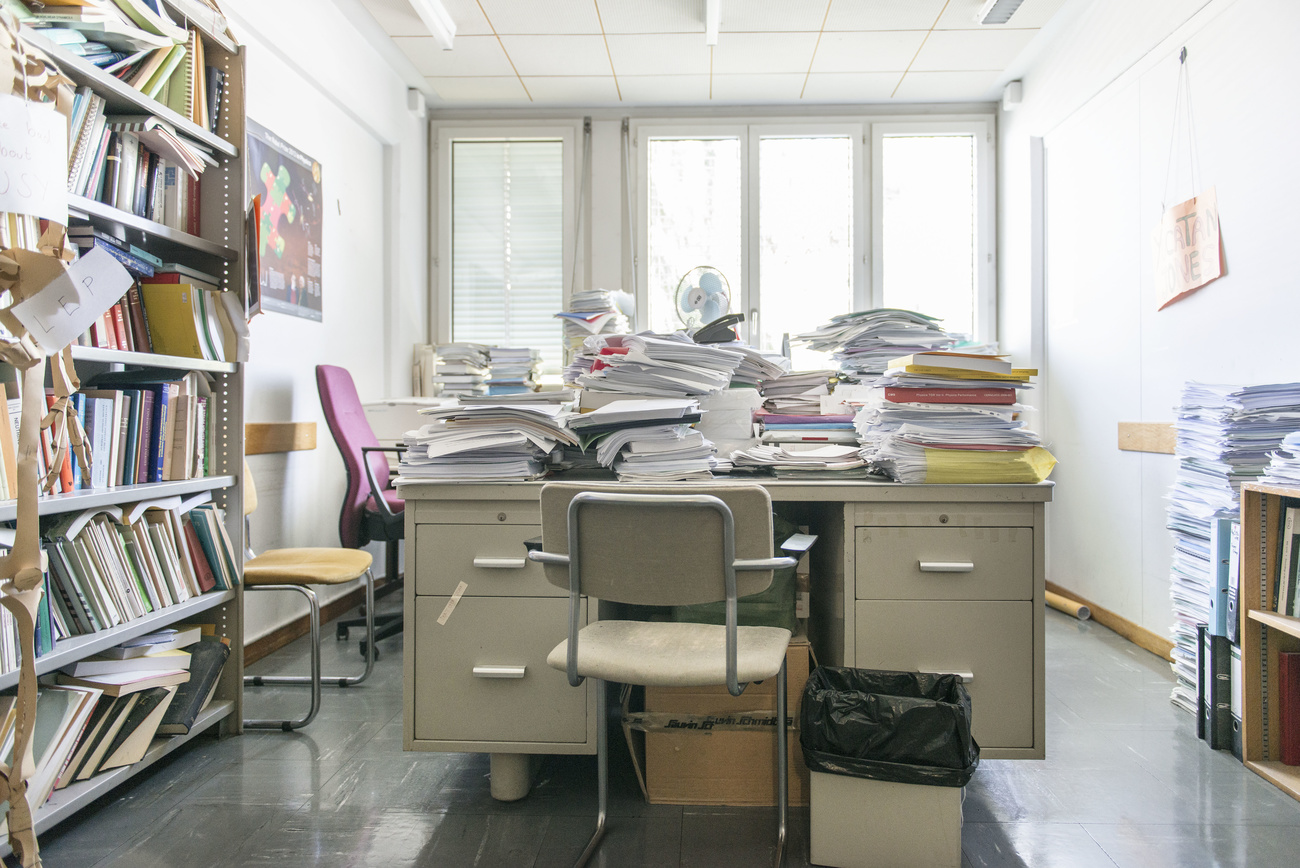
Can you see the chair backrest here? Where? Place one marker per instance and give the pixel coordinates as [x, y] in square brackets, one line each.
[658, 551]
[347, 422]
[250, 492]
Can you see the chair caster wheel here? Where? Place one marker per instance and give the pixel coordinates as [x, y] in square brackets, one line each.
[341, 633]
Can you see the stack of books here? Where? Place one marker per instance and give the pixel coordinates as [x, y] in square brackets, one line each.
[483, 442]
[665, 366]
[864, 342]
[592, 312]
[1226, 434]
[788, 428]
[944, 417]
[461, 369]
[513, 370]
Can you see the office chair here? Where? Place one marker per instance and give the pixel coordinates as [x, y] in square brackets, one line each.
[372, 511]
[658, 546]
[296, 570]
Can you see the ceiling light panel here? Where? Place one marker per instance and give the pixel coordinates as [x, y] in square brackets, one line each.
[963, 15]
[997, 11]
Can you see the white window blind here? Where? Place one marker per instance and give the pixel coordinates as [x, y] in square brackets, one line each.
[507, 234]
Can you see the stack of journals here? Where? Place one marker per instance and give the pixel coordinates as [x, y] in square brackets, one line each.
[797, 392]
[461, 369]
[62, 714]
[593, 312]
[944, 417]
[815, 462]
[485, 442]
[864, 342]
[668, 366]
[513, 370]
[811, 428]
[1225, 436]
[1284, 463]
[649, 440]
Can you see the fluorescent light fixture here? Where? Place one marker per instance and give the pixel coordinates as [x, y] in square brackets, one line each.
[712, 18]
[998, 11]
[440, 25]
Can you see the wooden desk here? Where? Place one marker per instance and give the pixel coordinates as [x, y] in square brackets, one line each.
[945, 578]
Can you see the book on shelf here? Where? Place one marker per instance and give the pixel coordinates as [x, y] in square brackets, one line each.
[208, 657]
[185, 320]
[169, 639]
[152, 18]
[119, 683]
[102, 664]
[1288, 556]
[138, 728]
[61, 717]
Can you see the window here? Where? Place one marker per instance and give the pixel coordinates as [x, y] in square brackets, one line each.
[504, 224]
[809, 220]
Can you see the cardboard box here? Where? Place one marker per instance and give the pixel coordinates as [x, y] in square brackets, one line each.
[703, 746]
[858, 823]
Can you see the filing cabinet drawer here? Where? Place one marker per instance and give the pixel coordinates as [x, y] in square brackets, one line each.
[489, 558]
[992, 641]
[482, 676]
[945, 563]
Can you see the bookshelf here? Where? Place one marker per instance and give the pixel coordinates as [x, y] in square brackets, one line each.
[218, 250]
[1264, 634]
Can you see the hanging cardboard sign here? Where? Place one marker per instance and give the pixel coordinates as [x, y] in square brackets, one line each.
[33, 160]
[1187, 248]
[69, 299]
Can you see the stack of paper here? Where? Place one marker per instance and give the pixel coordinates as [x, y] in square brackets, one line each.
[461, 369]
[591, 313]
[797, 392]
[514, 370]
[670, 366]
[864, 342]
[1284, 463]
[794, 461]
[485, 442]
[810, 428]
[755, 366]
[944, 417]
[1226, 434]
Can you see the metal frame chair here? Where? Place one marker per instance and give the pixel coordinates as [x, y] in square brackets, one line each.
[664, 546]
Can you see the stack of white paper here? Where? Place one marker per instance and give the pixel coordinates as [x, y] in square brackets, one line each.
[797, 393]
[485, 442]
[792, 460]
[756, 366]
[514, 370]
[591, 313]
[1226, 436]
[659, 365]
[1284, 463]
[648, 440]
[461, 369]
[865, 341]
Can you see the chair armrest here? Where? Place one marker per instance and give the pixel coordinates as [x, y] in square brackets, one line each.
[380, 501]
[764, 563]
[547, 557]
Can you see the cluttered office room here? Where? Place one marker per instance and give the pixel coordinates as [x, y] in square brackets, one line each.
[649, 434]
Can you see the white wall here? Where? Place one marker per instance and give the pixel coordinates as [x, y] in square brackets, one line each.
[1102, 98]
[327, 92]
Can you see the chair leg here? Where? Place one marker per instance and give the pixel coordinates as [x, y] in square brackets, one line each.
[333, 680]
[782, 766]
[602, 771]
[313, 614]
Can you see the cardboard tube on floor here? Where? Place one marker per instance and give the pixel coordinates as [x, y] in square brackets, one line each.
[1068, 606]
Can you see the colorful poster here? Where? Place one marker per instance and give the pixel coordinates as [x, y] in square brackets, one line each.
[1188, 254]
[289, 242]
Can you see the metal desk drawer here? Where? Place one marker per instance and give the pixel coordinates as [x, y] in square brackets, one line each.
[944, 563]
[489, 558]
[483, 677]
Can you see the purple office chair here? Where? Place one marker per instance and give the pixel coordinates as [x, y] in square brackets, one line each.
[372, 511]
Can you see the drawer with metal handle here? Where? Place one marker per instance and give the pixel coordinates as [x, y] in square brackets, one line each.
[944, 563]
[489, 559]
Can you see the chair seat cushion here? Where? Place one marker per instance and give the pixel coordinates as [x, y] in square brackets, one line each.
[671, 654]
[395, 503]
[318, 566]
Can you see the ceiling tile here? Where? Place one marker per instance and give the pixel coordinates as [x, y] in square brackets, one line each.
[664, 89]
[749, 89]
[572, 90]
[472, 55]
[399, 19]
[483, 89]
[659, 54]
[884, 14]
[533, 16]
[850, 87]
[770, 16]
[652, 16]
[960, 15]
[947, 86]
[971, 49]
[558, 55]
[760, 53]
[867, 52]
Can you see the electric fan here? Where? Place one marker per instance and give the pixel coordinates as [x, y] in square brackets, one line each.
[702, 296]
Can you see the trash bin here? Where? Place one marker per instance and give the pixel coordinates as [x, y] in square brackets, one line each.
[888, 753]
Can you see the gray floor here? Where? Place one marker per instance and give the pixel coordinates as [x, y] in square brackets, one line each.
[1125, 784]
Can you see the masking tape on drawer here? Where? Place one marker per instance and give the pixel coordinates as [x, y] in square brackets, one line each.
[451, 604]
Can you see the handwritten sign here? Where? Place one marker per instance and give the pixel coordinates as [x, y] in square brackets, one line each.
[33, 160]
[67, 304]
[1187, 248]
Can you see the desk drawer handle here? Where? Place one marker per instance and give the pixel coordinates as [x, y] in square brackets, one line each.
[499, 671]
[501, 563]
[946, 566]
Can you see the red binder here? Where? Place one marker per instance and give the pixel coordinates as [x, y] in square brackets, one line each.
[1289, 688]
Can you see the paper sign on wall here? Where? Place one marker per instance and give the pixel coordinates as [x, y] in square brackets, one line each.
[71, 299]
[33, 160]
[1187, 248]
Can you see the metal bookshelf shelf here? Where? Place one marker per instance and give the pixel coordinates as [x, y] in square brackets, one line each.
[97, 212]
[151, 360]
[73, 501]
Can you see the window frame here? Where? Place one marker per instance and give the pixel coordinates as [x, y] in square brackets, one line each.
[568, 133]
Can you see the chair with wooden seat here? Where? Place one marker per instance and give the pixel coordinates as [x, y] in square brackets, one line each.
[298, 570]
[664, 546]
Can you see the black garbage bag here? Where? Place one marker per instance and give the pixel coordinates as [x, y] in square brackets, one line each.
[906, 727]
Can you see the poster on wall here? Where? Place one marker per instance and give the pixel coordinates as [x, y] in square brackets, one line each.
[1187, 248]
[289, 240]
